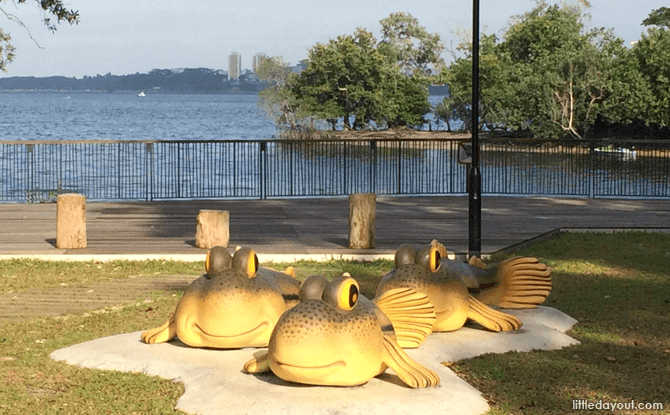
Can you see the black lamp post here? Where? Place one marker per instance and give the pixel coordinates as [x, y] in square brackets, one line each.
[474, 175]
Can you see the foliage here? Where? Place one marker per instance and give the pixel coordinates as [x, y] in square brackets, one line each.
[349, 77]
[50, 9]
[354, 78]
[342, 78]
[653, 54]
[550, 77]
[658, 17]
[409, 44]
[278, 100]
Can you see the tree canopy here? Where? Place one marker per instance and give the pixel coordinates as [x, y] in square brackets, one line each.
[350, 78]
[51, 9]
[550, 77]
[360, 81]
[405, 42]
[658, 17]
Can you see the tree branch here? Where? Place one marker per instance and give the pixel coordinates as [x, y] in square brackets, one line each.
[15, 19]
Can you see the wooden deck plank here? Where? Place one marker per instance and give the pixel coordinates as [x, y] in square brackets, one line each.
[321, 225]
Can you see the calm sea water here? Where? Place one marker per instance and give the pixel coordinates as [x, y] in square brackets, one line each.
[247, 169]
[115, 116]
[100, 116]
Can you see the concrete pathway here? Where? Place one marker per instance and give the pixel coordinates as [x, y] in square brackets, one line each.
[215, 384]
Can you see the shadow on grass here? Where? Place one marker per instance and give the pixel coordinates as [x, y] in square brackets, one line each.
[624, 330]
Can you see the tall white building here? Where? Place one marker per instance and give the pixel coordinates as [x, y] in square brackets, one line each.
[258, 61]
[234, 66]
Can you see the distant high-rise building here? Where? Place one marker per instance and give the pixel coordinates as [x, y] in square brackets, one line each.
[258, 60]
[234, 66]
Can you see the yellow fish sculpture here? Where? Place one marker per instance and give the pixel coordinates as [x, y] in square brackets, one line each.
[424, 272]
[519, 282]
[337, 337]
[235, 304]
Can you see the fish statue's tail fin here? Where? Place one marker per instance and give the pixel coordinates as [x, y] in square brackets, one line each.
[522, 282]
[411, 314]
[492, 319]
[410, 372]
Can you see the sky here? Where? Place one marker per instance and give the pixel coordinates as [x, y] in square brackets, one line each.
[129, 36]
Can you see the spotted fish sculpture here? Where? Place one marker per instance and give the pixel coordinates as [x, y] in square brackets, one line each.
[337, 337]
[519, 282]
[424, 272]
[235, 304]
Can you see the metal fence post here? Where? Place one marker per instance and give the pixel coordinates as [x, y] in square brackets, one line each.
[373, 166]
[399, 167]
[148, 166]
[30, 182]
[261, 162]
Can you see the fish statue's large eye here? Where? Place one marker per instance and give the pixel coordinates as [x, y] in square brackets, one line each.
[342, 292]
[245, 260]
[404, 255]
[429, 258]
[218, 259]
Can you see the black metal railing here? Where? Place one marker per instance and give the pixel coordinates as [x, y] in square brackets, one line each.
[157, 170]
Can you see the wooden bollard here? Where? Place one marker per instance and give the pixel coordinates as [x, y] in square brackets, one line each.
[213, 228]
[362, 208]
[71, 221]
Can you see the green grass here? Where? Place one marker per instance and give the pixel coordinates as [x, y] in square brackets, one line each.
[616, 285]
[21, 275]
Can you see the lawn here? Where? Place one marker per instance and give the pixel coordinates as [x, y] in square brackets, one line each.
[616, 285]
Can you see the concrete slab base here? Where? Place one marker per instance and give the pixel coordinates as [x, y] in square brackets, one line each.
[214, 382]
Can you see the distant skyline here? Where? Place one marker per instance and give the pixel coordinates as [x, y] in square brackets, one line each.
[130, 36]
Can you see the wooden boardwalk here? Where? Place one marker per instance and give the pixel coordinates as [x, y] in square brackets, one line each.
[320, 226]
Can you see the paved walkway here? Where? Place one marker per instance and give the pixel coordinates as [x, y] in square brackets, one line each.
[304, 227]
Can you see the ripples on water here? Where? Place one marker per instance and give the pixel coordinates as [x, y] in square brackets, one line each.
[116, 116]
[125, 116]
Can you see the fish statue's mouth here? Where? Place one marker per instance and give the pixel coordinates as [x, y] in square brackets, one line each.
[255, 337]
[260, 327]
[311, 372]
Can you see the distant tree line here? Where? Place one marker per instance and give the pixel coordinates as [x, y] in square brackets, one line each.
[198, 80]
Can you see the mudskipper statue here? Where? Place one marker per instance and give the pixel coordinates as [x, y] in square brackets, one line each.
[335, 336]
[424, 272]
[519, 282]
[235, 304]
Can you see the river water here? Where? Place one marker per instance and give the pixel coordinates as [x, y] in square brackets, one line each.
[231, 164]
[115, 116]
[28, 116]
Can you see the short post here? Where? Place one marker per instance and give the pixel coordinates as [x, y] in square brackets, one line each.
[213, 228]
[362, 208]
[71, 221]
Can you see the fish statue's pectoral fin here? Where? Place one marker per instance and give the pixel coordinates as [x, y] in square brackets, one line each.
[290, 271]
[259, 364]
[411, 314]
[410, 372]
[492, 319]
[161, 334]
[523, 282]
